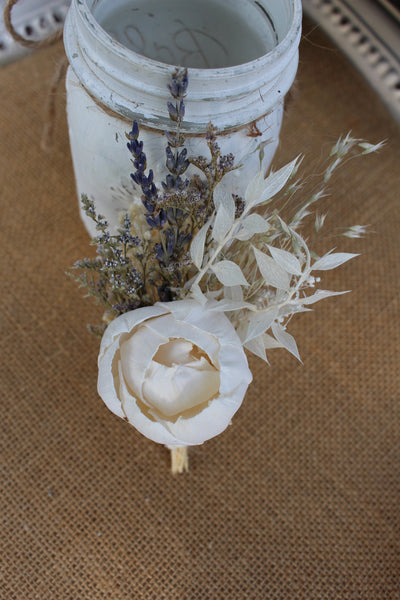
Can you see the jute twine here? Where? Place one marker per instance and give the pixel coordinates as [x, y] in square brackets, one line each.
[47, 138]
[32, 44]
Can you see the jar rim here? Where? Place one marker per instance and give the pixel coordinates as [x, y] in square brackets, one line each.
[230, 96]
[128, 54]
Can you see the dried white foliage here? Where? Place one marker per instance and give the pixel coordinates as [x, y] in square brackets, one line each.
[197, 245]
[271, 271]
[228, 273]
[254, 265]
[332, 261]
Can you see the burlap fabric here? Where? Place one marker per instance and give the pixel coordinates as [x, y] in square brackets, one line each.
[299, 498]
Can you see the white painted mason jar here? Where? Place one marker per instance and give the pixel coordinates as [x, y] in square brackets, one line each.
[241, 55]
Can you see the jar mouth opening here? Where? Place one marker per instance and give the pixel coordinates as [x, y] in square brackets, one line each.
[258, 43]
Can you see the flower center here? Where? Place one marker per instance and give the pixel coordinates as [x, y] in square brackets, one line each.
[178, 352]
[179, 378]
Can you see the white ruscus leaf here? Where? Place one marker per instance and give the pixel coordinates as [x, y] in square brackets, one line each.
[271, 272]
[256, 346]
[286, 339]
[224, 219]
[198, 294]
[260, 322]
[270, 342]
[252, 225]
[227, 305]
[320, 295]
[272, 185]
[331, 261]
[234, 293]
[197, 246]
[229, 273]
[286, 260]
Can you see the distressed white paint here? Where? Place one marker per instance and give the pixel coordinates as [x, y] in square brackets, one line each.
[109, 84]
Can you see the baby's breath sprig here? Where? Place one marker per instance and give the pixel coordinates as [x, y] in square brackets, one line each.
[116, 276]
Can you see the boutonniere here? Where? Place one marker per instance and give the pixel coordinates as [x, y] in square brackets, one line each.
[194, 276]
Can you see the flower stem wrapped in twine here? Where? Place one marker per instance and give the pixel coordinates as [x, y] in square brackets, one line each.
[59, 73]
[179, 459]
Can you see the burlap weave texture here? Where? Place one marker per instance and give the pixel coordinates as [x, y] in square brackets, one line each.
[299, 498]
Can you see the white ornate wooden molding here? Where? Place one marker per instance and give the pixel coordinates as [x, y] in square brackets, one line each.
[33, 20]
[368, 32]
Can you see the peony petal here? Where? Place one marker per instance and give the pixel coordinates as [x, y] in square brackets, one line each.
[126, 322]
[179, 308]
[211, 421]
[234, 368]
[154, 430]
[216, 324]
[174, 390]
[137, 352]
[171, 328]
[108, 380]
[175, 352]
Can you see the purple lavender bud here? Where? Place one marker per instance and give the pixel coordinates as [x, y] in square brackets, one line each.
[169, 183]
[137, 177]
[152, 221]
[135, 148]
[181, 163]
[133, 134]
[148, 205]
[171, 163]
[184, 83]
[174, 88]
[157, 219]
[159, 252]
[140, 163]
[181, 110]
[179, 83]
[147, 193]
[173, 111]
[170, 241]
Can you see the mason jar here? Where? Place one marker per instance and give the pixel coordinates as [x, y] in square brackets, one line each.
[241, 56]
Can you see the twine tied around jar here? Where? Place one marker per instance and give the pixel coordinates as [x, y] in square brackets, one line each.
[59, 71]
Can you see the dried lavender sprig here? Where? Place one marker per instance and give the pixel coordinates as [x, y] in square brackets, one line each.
[179, 83]
[176, 161]
[113, 277]
[155, 216]
[174, 242]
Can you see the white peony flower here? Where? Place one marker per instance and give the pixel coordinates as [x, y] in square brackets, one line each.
[176, 371]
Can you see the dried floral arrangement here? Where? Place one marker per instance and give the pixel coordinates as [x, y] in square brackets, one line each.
[194, 276]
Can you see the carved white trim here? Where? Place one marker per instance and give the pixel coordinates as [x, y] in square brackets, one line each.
[369, 36]
[33, 20]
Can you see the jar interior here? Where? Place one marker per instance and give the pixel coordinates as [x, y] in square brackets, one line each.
[205, 34]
